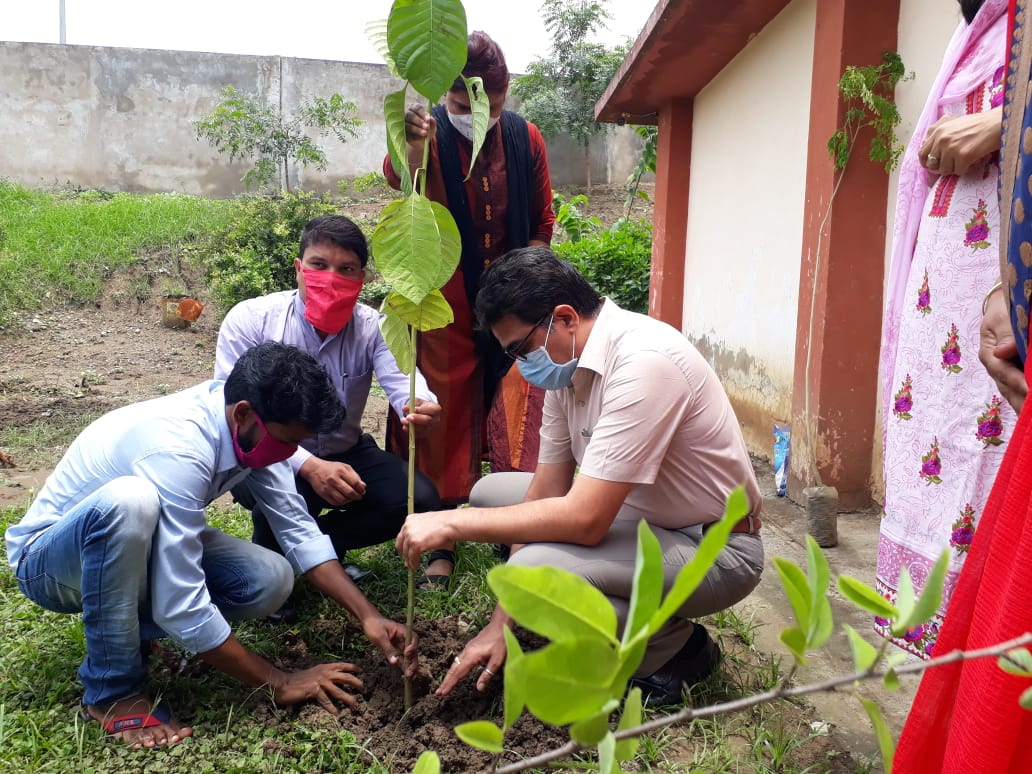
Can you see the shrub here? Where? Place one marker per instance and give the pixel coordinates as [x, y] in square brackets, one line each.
[255, 254]
[569, 217]
[617, 262]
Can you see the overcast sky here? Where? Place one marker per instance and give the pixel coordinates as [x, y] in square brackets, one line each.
[317, 29]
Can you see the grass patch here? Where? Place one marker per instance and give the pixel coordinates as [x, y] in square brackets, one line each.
[61, 247]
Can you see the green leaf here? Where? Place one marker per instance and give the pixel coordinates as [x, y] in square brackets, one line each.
[554, 603]
[427, 39]
[414, 247]
[513, 691]
[398, 337]
[429, 763]
[481, 734]
[567, 681]
[376, 33]
[435, 311]
[480, 108]
[906, 602]
[712, 543]
[888, 747]
[821, 620]
[647, 586]
[794, 639]
[797, 589]
[864, 653]
[891, 680]
[631, 717]
[607, 763]
[397, 148]
[931, 596]
[1025, 700]
[590, 731]
[1017, 661]
[866, 598]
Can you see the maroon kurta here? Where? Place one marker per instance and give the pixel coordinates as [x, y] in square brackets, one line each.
[450, 453]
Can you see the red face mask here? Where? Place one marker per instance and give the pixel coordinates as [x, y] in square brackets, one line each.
[329, 299]
[268, 451]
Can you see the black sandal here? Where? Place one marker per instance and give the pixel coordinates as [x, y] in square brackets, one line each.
[437, 582]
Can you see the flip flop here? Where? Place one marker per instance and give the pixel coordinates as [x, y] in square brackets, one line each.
[160, 714]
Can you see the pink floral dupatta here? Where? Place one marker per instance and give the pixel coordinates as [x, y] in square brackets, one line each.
[974, 50]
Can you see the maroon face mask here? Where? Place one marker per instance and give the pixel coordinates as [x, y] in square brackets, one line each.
[268, 451]
[329, 299]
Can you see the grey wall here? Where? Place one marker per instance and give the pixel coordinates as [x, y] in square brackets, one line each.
[121, 119]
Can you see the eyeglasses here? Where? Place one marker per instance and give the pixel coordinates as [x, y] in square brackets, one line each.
[515, 351]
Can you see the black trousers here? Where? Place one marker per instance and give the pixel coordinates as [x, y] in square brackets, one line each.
[377, 517]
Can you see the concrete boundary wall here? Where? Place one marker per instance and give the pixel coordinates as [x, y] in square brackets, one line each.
[121, 119]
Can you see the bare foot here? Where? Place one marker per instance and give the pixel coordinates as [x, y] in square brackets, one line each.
[167, 732]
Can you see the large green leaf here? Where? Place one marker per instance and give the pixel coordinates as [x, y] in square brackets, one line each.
[906, 603]
[414, 248]
[794, 639]
[712, 543]
[427, 39]
[394, 116]
[435, 311]
[480, 108]
[513, 691]
[888, 747]
[398, 337]
[567, 681]
[607, 762]
[631, 656]
[931, 595]
[554, 603]
[866, 598]
[797, 589]
[647, 588]
[482, 734]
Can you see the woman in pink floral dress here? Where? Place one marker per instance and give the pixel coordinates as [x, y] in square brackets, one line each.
[945, 424]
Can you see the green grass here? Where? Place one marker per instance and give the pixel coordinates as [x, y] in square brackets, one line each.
[60, 248]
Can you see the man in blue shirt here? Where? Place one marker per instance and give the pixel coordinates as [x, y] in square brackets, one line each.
[118, 532]
[356, 491]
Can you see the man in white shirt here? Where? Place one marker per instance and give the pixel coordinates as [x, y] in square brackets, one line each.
[119, 533]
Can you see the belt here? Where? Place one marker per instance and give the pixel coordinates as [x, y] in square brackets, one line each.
[749, 525]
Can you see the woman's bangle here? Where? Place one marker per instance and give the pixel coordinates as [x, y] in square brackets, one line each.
[985, 301]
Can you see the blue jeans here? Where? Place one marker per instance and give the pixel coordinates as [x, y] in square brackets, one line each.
[96, 559]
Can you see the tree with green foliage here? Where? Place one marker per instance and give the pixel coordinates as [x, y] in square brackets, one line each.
[244, 127]
[559, 92]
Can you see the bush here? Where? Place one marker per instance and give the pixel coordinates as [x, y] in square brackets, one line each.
[255, 255]
[617, 262]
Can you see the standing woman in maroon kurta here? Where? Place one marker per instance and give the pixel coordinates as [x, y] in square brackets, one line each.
[506, 203]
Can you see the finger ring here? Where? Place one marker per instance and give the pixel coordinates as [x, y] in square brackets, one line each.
[458, 661]
[488, 672]
[932, 161]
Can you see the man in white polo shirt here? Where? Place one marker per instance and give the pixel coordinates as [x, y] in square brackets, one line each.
[636, 426]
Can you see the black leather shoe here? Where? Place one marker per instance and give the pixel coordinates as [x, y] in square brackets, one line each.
[288, 614]
[693, 663]
[356, 573]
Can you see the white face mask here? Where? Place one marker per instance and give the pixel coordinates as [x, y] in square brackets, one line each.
[464, 124]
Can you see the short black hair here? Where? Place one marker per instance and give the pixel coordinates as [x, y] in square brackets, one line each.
[285, 385]
[530, 282]
[336, 230]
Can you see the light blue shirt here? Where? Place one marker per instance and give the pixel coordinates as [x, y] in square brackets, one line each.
[182, 444]
[350, 357]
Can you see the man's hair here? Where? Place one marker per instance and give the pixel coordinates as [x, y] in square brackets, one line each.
[484, 57]
[529, 283]
[285, 385]
[337, 230]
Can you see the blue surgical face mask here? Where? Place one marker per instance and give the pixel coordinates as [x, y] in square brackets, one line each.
[540, 370]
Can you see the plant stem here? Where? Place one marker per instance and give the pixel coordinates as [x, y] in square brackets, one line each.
[410, 603]
[781, 691]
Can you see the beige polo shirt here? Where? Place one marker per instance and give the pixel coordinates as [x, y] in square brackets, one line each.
[646, 408]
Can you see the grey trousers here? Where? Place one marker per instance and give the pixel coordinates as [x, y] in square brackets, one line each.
[609, 566]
